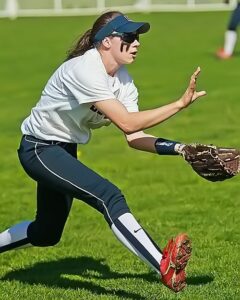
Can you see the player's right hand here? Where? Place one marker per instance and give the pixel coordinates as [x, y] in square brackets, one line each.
[191, 94]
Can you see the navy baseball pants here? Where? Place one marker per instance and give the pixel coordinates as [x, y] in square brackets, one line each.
[60, 178]
[235, 18]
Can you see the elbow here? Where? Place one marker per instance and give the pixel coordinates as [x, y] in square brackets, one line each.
[128, 124]
[129, 131]
[128, 128]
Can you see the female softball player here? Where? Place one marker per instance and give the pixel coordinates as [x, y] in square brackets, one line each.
[92, 88]
[230, 36]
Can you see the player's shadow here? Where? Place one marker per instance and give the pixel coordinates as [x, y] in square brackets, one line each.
[79, 272]
[199, 280]
[76, 273]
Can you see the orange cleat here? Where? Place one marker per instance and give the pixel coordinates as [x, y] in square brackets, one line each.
[174, 261]
[222, 54]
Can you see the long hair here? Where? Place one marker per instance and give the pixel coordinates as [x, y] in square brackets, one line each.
[85, 42]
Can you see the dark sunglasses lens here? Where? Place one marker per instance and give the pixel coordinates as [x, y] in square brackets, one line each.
[130, 37]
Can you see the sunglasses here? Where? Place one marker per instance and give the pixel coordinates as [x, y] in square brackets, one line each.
[127, 37]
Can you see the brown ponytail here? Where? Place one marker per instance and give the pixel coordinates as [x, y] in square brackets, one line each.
[85, 42]
[82, 45]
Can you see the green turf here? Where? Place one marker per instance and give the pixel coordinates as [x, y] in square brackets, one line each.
[163, 193]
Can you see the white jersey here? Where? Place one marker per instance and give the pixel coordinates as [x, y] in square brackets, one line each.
[65, 111]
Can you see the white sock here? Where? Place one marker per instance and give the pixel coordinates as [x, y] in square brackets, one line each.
[15, 234]
[230, 41]
[131, 234]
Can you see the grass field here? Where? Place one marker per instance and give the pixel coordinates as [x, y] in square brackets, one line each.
[163, 192]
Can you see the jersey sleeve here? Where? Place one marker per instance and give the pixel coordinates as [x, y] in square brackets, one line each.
[131, 99]
[130, 95]
[88, 84]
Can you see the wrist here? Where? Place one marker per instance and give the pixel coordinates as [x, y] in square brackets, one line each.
[168, 147]
[180, 105]
[179, 148]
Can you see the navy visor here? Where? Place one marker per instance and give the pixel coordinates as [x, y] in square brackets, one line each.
[123, 25]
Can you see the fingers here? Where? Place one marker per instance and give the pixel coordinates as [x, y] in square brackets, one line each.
[194, 78]
[198, 94]
[201, 93]
[197, 71]
[191, 94]
[195, 75]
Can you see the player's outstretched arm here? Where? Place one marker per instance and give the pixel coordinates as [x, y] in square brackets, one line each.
[130, 122]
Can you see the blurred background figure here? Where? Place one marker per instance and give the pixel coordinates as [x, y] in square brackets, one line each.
[12, 9]
[230, 38]
[142, 3]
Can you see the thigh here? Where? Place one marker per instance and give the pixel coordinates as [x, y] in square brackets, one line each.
[235, 19]
[57, 168]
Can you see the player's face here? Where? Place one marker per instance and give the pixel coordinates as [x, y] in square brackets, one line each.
[124, 47]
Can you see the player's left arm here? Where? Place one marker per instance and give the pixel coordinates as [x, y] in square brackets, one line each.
[149, 143]
[141, 141]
